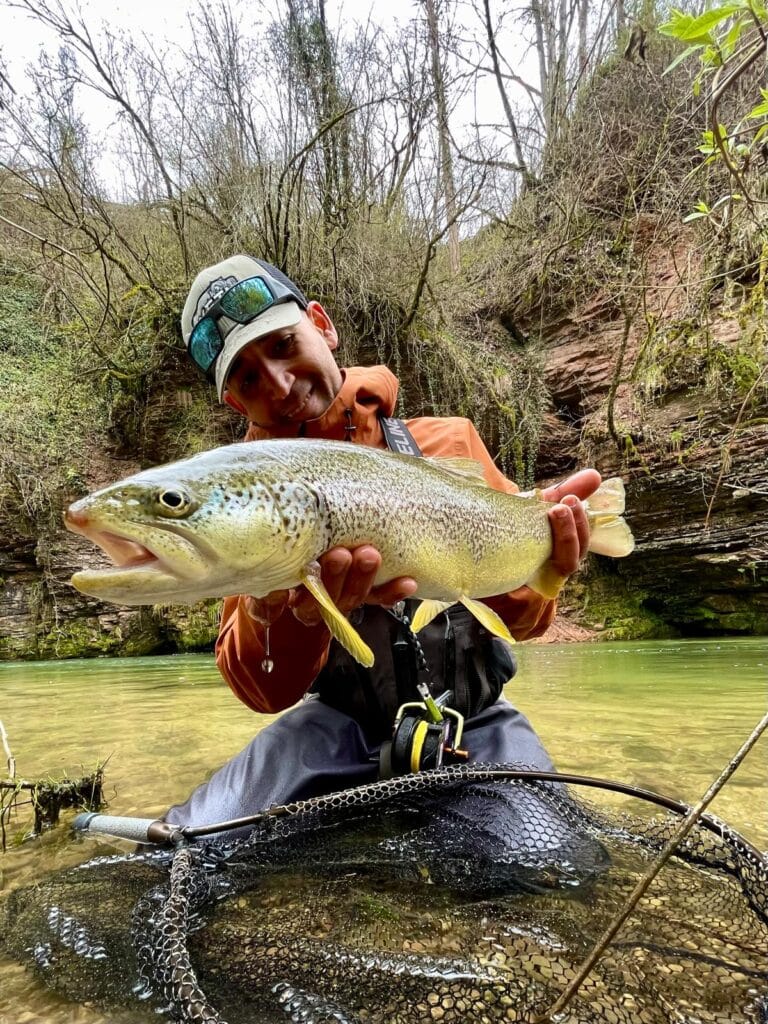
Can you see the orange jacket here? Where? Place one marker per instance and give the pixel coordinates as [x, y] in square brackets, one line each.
[299, 652]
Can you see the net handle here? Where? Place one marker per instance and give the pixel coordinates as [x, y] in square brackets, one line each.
[164, 834]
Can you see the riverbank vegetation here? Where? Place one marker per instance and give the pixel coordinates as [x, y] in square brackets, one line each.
[619, 195]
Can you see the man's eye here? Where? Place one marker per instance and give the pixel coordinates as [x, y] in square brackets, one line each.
[282, 346]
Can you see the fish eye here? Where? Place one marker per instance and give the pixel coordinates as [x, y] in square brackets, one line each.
[176, 503]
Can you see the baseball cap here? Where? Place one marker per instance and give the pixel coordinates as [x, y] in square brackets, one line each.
[231, 304]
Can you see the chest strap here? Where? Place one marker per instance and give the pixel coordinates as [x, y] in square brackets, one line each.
[398, 436]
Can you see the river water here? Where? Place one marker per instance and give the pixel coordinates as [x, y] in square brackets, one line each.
[665, 716]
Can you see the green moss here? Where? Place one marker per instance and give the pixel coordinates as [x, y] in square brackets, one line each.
[197, 629]
[14, 648]
[723, 614]
[79, 638]
[609, 605]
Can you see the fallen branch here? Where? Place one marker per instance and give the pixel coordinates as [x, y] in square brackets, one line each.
[50, 797]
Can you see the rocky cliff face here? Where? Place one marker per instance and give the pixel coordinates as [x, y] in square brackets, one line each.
[43, 616]
[689, 413]
[691, 440]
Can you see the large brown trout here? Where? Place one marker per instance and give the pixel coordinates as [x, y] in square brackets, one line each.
[254, 517]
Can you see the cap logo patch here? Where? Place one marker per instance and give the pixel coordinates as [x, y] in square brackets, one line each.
[212, 294]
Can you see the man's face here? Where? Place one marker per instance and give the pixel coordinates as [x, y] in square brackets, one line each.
[289, 376]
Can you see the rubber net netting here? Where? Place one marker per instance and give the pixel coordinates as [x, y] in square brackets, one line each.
[444, 896]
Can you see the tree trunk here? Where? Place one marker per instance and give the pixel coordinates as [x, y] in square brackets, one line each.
[503, 93]
[444, 141]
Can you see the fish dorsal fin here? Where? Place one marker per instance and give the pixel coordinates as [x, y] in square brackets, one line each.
[467, 469]
[340, 627]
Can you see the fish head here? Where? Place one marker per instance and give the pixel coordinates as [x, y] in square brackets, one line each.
[205, 527]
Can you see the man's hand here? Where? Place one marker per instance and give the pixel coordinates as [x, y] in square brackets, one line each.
[267, 610]
[568, 519]
[348, 575]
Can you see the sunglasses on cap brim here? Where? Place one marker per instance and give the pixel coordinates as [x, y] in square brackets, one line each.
[242, 303]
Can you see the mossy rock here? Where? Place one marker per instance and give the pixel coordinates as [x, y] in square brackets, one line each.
[608, 604]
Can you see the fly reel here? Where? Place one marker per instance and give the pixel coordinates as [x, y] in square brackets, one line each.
[426, 734]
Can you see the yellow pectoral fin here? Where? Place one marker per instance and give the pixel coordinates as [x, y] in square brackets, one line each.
[340, 627]
[487, 617]
[427, 611]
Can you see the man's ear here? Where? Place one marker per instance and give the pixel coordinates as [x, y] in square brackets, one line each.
[323, 323]
[233, 403]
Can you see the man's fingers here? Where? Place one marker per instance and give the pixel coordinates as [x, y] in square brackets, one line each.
[348, 577]
[565, 540]
[393, 591]
[580, 521]
[266, 609]
[366, 562]
[581, 485]
[335, 566]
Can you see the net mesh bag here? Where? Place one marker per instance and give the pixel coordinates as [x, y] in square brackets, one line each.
[451, 895]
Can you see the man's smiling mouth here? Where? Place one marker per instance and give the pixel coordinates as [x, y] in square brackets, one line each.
[297, 410]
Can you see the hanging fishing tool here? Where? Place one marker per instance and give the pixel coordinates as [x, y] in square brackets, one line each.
[426, 733]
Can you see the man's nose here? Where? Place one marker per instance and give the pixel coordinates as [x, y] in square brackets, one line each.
[276, 380]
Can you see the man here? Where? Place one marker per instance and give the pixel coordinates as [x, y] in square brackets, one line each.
[270, 352]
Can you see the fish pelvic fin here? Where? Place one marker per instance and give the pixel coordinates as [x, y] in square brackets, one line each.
[340, 627]
[427, 611]
[487, 617]
[609, 532]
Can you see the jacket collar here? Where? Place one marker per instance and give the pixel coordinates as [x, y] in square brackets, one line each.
[367, 392]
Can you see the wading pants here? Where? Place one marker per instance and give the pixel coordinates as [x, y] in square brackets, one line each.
[313, 750]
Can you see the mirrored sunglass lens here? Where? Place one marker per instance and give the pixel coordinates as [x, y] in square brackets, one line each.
[205, 343]
[246, 300]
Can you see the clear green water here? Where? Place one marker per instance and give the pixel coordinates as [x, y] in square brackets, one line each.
[665, 716]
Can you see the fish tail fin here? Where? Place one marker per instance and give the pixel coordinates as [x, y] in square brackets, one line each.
[609, 532]
[487, 617]
[340, 627]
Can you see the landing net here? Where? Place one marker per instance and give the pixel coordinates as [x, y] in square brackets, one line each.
[449, 896]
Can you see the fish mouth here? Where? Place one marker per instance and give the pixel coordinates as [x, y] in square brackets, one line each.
[149, 563]
[124, 552]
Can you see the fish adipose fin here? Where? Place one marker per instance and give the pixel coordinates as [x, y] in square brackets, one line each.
[428, 610]
[340, 627]
[609, 534]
